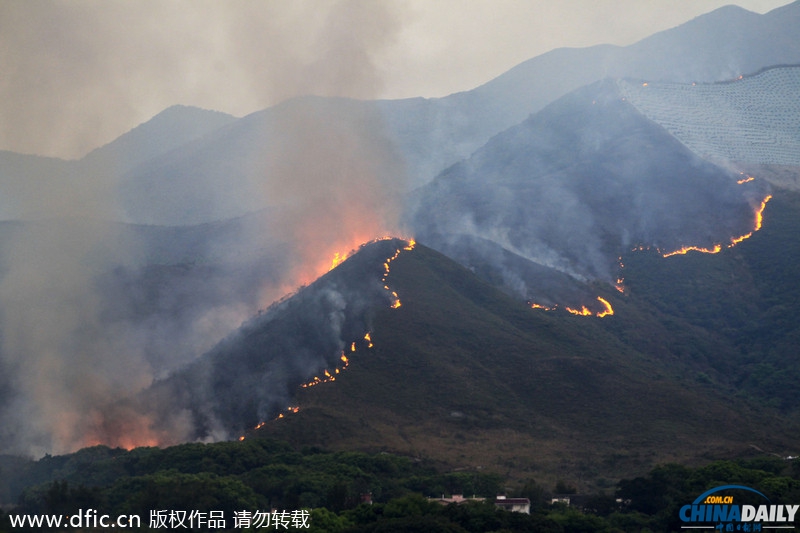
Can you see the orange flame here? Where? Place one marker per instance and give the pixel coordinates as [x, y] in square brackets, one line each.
[620, 286]
[122, 427]
[410, 244]
[584, 311]
[608, 309]
[686, 249]
[745, 180]
[759, 220]
[290, 409]
[338, 258]
[330, 376]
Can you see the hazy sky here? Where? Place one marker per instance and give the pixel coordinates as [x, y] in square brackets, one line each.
[78, 73]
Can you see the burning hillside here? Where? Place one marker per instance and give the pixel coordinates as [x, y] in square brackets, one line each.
[574, 187]
[306, 340]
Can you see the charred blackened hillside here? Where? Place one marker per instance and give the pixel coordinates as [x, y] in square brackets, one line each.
[253, 374]
[579, 183]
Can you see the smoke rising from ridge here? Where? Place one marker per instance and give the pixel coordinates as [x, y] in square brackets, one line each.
[92, 311]
[574, 187]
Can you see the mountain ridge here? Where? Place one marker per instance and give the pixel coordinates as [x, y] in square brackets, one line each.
[557, 381]
[432, 134]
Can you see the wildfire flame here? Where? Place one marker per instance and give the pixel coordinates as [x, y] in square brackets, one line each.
[330, 376]
[289, 410]
[686, 249]
[338, 258]
[759, 220]
[585, 311]
[411, 243]
[620, 286]
[745, 180]
[607, 311]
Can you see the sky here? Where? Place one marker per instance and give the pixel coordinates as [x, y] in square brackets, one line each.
[79, 73]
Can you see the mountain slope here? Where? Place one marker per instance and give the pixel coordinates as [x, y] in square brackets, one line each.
[251, 375]
[753, 120]
[468, 376]
[173, 127]
[216, 178]
[577, 184]
[719, 45]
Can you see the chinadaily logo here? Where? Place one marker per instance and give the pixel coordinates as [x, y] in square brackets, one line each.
[737, 508]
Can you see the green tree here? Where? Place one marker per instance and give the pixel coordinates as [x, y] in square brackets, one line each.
[324, 521]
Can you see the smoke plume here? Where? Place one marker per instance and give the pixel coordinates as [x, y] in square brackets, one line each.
[77, 74]
[92, 310]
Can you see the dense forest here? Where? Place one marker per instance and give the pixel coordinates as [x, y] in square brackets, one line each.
[360, 492]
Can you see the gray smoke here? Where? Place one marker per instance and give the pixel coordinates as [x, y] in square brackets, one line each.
[575, 186]
[92, 310]
[101, 59]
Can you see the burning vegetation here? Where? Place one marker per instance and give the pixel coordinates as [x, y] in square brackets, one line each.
[330, 375]
[619, 285]
[759, 219]
[584, 311]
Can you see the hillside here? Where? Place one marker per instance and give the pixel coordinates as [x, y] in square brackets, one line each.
[720, 45]
[753, 120]
[252, 374]
[697, 363]
[131, 279]
[573, 187]
[468, 376]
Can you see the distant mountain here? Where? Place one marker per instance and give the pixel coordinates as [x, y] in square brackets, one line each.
[200, 166]
[173, 127]
[31, 185]
[25, 177]
[720, 45]
[250, 164]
